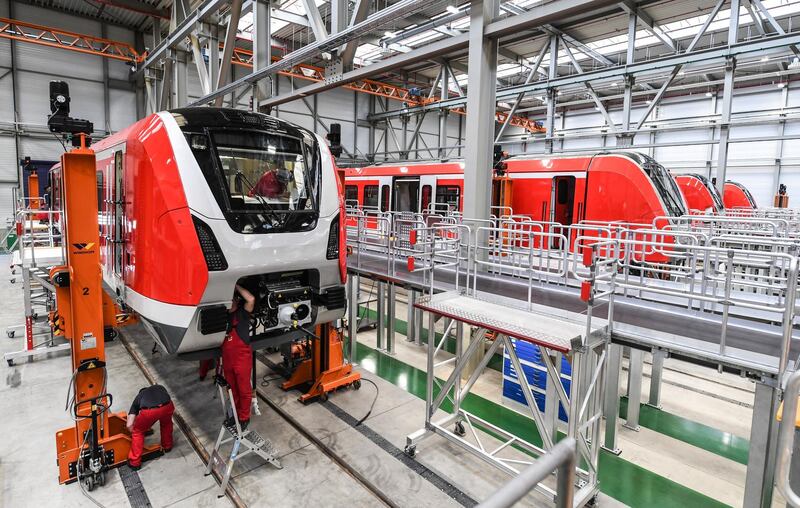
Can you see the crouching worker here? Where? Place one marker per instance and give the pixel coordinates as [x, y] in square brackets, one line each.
[151, 405]
[237, 356]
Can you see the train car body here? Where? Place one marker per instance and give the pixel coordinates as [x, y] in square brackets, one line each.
[736, 195]
[605, 187]
[193, 201]
[700, 194]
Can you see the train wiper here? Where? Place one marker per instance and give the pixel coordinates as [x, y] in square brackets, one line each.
[276, 218]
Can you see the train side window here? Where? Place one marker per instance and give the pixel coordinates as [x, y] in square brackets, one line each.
[119, 212]
[426, 197]
[384, 198]
[449, 195]
[101, 192]
[371, 196]
[350, 195]
[562, 192]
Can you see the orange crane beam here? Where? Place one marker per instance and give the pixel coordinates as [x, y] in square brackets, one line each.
[53, 37]
[88, 44]
[244, 57]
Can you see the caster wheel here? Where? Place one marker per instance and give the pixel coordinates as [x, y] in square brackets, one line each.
[459, 429]
[10, 334]
[13, 281]
[356, 384]
[411, 451]
[10, 363]
[101, 479]
[88, 483]
[592, 502]
[323, 397]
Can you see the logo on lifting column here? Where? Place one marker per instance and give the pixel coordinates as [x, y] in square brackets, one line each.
[83, 248]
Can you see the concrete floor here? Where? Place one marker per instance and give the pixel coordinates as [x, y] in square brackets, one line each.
[32, 396]
[720, 400]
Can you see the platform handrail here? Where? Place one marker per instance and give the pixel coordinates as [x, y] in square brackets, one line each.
[561, 459]
[786, 440]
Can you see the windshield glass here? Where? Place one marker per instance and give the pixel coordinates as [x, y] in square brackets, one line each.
[264, 182]
[666, 186]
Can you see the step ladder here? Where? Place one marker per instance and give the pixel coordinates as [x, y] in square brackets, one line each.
[245, 441]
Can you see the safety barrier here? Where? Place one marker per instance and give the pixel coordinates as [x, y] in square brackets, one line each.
[786, 440]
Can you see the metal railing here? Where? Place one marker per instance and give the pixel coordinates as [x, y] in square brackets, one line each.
[561, 459]
[786, 440]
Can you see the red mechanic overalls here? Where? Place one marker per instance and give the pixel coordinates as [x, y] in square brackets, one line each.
[237, 367]
[144, 421]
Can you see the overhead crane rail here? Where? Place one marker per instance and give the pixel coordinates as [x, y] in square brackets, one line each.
[88, 44]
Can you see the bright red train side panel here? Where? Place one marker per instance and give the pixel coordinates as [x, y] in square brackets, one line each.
[736, 195]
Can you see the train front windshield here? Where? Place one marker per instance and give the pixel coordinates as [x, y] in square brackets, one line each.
[264, 182]
[665, 185]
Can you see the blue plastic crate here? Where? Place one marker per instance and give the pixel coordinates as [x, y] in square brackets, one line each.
[535, 373]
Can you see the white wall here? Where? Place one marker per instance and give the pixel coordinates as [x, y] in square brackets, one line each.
[36, 66]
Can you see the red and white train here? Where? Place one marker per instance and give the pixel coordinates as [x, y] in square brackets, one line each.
[702, 195]
[193, 201]
[622, 186]
[736, 195]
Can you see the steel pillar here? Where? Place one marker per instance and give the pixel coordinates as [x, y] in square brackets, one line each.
[763, 440]
[445, 87]
[724, 124]
[656, 374]
[411, 319]
[391, 306]
[634, 388]
[552, 97]
[481, 109]
[381, 310]
[611, 409]
[262, 47]
[352, 316]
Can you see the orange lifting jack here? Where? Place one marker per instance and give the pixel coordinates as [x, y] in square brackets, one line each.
[326, 369]
[99, 439]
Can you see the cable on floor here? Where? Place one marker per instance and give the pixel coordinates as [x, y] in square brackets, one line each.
[374, 400]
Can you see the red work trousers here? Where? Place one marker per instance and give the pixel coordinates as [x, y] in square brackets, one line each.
[237, 367]
[144, 421]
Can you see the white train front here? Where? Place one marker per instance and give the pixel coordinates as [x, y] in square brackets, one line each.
[193, 201]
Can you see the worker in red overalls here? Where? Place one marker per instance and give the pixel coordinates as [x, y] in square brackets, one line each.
[237, 356]
[152, 404]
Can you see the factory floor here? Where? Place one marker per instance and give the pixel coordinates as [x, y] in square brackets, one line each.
[655, 468]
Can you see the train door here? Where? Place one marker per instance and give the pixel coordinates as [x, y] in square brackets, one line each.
[406, 195]
[118, 202]
[563, 203]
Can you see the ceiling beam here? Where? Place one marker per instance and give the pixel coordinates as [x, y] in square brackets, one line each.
[647, 21]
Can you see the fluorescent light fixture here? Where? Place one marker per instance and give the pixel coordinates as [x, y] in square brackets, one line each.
[765, 59]
[795, 63]
[708, 94]
[614, 83]
[648, 101]
[781, 84]
[452, 9]
[388, 34]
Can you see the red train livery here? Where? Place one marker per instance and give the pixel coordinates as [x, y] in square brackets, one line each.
[623, 186]
[736, 195]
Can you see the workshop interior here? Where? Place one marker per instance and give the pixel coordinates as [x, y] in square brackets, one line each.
[338, 253]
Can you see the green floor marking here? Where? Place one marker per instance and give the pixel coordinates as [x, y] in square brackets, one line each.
[620, 479]
[724, 444]
[696, 434]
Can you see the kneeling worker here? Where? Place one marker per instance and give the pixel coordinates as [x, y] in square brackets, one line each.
[151, 405]
[237, 356]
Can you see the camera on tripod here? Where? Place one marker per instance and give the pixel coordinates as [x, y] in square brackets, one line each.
[59, 120]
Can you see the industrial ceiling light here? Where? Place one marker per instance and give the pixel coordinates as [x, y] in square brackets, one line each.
[452, 9]
[781, 84]
[708, 94]
[795, 63]
[388, 34]
[765, 59]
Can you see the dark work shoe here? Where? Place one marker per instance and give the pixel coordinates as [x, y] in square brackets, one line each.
[135, 468]
[244, 424]
[229, 422]
[167, 450]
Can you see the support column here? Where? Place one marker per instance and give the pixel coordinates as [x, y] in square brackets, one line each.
[411, 320]
[381, 309]
[390, 315]
[634, 388]
[481, 108]
[724, 127]
[776, 179]
[763, 437]
[656, 373]
[352, 316]
[262, 47]
[552, 96]
[181, 77]
[611, 411]
[445, 87]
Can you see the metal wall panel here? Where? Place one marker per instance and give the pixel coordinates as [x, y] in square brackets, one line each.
[49, 17]
[8, 159]
[123, 109]
[41, 148]
[6, 96]
[6, 205]
[681, 158]
[34, 104]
